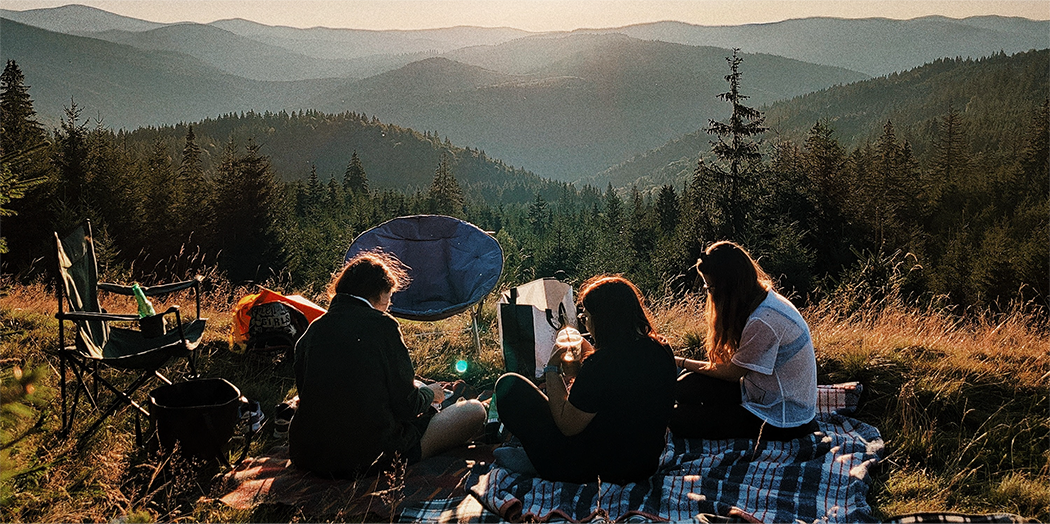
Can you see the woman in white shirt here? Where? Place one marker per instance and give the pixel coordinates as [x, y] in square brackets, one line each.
[760, 379]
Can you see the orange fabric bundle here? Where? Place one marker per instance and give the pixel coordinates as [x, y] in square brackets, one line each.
[241, 318]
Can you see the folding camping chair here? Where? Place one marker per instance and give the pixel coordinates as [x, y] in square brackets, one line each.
[452, 265]
[100, 347]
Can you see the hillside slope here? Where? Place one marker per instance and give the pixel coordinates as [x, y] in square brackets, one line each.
[995, 97]
[128, 87]
[393, 157]
[234, 54]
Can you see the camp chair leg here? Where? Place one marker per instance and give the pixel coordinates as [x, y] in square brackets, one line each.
[475, 313]
[122, 398]
[138, 430]
[62, 385]
[81, 385]
[162, 377]
[69, 408]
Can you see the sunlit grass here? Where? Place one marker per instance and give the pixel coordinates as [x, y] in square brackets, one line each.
[961, 402]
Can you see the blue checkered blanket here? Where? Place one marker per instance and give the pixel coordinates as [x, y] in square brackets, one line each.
[823, 477]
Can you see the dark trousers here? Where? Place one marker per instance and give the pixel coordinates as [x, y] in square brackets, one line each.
[711, 408]
[524, 411]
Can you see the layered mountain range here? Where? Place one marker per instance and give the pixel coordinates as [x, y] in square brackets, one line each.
[563, 105]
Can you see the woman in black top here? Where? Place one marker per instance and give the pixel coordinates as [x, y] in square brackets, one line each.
[359, 408]
[612, 425]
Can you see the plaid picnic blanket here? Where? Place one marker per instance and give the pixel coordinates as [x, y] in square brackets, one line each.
[824, 477]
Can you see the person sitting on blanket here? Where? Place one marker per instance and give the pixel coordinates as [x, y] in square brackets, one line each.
[612, 425]
[359, 408]
[761, 374]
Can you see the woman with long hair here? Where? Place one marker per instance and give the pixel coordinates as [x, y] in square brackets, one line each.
[612, 424]
[760, 378]
[360, 408]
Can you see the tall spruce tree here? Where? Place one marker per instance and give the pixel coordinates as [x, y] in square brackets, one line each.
[13, 187]
[248, 203]
[23, 165]
[71, 160]
[19, 130]
[735, 179]
[191, 215]
[445, 196]
[1035, 156]
[355, 181]
[667, 210]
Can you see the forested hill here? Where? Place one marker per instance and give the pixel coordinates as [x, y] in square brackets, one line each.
[299, 144]
[995, 97]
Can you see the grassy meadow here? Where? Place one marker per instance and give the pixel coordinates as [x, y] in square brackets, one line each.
[961, 401]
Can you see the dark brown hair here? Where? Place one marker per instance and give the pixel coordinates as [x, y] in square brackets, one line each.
[617, 310]
[736, 285]
[368, 275]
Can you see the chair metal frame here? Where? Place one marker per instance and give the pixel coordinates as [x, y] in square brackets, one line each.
[88, 368]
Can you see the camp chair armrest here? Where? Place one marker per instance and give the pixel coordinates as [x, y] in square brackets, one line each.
[85, 315]
[151, 291]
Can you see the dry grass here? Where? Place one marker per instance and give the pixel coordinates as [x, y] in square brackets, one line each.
[961, 403]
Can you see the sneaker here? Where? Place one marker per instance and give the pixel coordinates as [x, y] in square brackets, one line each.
[282, 418]
[254, 415]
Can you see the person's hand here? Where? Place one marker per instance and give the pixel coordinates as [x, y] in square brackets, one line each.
[439, 391]
[556, 356]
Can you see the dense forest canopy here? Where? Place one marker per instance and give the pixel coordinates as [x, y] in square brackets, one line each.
[929, 216]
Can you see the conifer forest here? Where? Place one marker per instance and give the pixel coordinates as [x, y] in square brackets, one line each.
[952, 210]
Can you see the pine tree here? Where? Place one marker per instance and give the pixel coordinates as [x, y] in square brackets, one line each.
[161, 193]
[824, 162]
[191, 215]
[248, 203]
[950, 155]
[889, 187]
[313, 187]
[354, 180]
[72, 167]
[667, 209]
[12, 187]
[1035, 156]
[539, 216]
[735, 181]
[19, 130]
[23, 167]
[445, 197]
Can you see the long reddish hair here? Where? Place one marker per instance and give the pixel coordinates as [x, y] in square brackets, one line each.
[736, 285]
[617, 310]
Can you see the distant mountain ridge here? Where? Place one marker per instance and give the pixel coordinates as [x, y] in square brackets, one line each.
[589, 105]
[562, 104]
[76, 19]
[874, 46]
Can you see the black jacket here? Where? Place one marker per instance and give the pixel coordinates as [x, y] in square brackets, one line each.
[357, 400]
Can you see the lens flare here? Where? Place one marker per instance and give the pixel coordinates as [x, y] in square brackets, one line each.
[461, 366]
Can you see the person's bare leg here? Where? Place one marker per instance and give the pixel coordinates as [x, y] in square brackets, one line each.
[453, 426]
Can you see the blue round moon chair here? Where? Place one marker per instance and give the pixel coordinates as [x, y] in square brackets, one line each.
[453, 264]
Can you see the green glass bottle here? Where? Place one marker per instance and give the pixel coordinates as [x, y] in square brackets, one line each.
[145, 307]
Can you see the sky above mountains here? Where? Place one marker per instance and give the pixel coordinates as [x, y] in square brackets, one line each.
[536, 15]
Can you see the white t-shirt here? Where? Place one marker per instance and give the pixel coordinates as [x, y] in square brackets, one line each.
[775, 346]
